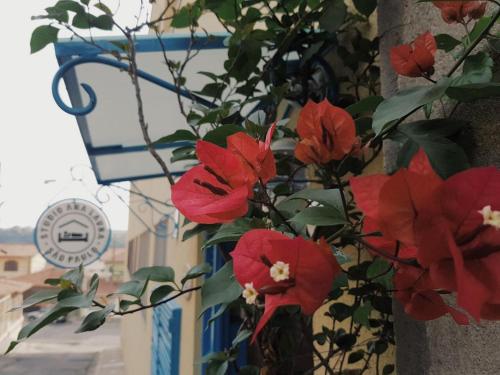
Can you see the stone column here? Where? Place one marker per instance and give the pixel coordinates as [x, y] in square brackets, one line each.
[440, 347]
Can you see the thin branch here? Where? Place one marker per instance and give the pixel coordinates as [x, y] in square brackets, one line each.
[140, 110]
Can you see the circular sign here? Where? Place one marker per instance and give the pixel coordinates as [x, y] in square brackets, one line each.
[72, 232]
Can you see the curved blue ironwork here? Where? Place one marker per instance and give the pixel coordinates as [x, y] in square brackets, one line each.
[85, 110]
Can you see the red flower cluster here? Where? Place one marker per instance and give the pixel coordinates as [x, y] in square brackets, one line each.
[326, 133]
[415, 59]
[457, 11]
[450, 228]
[217, 190]
[284, 271]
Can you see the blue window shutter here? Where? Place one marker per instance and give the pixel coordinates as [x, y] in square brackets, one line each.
[165, 353]
[219, 334]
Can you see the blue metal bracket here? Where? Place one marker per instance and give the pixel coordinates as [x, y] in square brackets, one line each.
[85, 110]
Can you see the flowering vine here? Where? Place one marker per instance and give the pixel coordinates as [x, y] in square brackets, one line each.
[314, 247]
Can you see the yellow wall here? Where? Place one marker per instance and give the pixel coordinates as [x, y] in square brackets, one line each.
[181, 256]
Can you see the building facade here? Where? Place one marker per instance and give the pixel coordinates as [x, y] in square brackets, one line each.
[19, 260]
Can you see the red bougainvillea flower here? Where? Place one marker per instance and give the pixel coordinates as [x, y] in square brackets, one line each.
[459, 240]
[257, 155]
[457, 11]
[217, 190]
[453, 225]
[285, 271]
[326, 133]
[415, 59]
[389, 203]
[416, 293]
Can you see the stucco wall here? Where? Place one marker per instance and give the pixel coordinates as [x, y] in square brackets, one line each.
[137, 329]
[440, 347]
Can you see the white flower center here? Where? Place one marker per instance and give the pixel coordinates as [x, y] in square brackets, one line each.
[250, 293]
[280, 271]
[490, 217]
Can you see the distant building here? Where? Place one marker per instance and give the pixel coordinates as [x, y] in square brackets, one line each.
[115, 260]
[37, 283]
[11, 295]
[19, 260]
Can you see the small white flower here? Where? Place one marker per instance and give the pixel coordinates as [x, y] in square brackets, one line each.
[250, 293]
[490, 217]
[280, 271]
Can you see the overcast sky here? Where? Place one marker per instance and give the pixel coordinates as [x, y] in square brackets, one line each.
[38, 141]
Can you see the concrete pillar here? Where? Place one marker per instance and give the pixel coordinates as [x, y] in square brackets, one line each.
[440, 347]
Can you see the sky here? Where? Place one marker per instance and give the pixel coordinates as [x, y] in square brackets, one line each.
[39, 143]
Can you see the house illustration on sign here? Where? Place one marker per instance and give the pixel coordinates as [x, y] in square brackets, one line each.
[76, 231]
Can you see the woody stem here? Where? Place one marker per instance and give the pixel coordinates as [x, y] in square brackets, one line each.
[269, 203]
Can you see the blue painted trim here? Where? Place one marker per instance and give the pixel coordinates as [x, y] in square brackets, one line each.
[118, 149]
[86, 109]
[144, 43]
[166, 339]
[100, 253]
[219, 335]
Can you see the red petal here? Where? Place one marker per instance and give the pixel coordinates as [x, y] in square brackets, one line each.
[201, 205]
[248, 265]
[403, 62]
[366, 190]
[426, 41]
[225, 164]
[466, 193]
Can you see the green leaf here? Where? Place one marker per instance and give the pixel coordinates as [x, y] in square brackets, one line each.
[356, 356]
[186, 16]
[219, 135]
[38, 297]
[94, 320]
[362, 314]
[48, 317]
[104, 8]
[469, 93]
[445, 156]
[226, 10]
[333, 15]
[329, 197]
[73, 277]
[43, 36]
[217, 368]
[221, 288]
[233, 231]
[197, 271]
[198, 229]
[103, 22]
[134, 288]
[340, 311]
[477, 68]
[388, 369]
[178, 135]
[83, 20]
[446, 42]
[242, 336]
[365, 7]
[160, 293]
[183, 153]
[160, 274]
[320, 216]
[368, 104]
[377, 268]
[479, 27]
[405, 102]
[70, 5]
